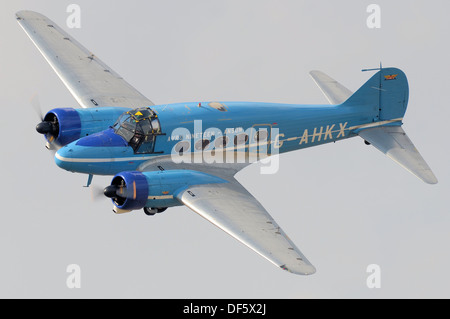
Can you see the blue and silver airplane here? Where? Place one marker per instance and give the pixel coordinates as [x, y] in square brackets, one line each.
[163, 156]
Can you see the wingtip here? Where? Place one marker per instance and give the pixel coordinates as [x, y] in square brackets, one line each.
[19, 15]
[432, 181]
[314, 73]
[28, 14]
[303, 270]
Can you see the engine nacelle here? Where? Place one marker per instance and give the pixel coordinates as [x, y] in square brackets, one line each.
[135, 190]
[66, 125]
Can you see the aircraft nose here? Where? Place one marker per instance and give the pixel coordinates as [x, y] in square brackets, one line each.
[63, 157]
[94, 154]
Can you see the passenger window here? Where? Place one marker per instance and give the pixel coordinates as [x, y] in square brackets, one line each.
[202, 145]
[240, 139]
[182, 147]
[221, 142]
[261, 136]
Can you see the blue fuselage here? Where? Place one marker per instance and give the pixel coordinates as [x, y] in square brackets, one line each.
[290, 127]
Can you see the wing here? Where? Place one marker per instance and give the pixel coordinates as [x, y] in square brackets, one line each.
[335, 92]
[233, 209]
[91, 82]
[393, 141]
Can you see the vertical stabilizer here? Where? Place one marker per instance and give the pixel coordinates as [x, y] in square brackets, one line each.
[385, 94]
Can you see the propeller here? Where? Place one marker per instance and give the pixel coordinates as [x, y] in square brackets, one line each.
[111, 191]
[115, 192]
[49, 127]
[97, 192]
[37, 106]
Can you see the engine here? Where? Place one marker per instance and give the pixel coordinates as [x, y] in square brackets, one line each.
[159, 189]
[65, 125]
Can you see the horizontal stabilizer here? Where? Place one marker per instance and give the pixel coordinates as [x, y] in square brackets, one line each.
[393, 141]
[335, 92]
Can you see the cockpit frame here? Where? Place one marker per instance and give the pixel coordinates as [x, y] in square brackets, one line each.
[139, 128]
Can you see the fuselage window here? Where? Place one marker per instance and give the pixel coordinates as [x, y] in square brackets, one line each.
[202, 145]
[240, 139]
[221, 142]
[182, 147]
[261, 136]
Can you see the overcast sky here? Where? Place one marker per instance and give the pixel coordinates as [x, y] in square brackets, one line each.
[345, 205]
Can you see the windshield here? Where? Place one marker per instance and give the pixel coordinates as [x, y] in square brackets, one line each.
[139, 128]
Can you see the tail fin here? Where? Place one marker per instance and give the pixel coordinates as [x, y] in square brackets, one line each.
[386, 95]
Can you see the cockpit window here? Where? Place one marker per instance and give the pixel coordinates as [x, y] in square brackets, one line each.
[139, 128]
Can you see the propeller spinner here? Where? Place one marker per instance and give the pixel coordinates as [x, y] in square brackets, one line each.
[117, 192]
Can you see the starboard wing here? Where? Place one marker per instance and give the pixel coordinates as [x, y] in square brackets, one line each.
[89, 80]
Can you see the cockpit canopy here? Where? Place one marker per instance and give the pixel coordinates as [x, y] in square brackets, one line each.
[139, 128]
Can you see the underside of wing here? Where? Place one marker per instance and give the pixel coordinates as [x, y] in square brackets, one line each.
[233, 209]
[335, 92]
[393, 141]
[165, 162]
[89, 80]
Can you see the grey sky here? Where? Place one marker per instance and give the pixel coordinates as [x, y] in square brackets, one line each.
[345, 205]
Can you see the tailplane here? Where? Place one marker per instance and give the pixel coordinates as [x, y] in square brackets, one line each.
[393, 142]
[384, 98]
[334, 91]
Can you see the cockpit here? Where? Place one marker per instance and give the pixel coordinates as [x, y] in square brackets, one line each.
[139, 128]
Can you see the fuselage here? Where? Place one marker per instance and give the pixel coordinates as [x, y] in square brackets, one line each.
[209, 126]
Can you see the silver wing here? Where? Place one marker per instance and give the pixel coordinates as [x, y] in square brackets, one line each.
[233, 209]
[393, 141]
[91, 82]
[335, 92]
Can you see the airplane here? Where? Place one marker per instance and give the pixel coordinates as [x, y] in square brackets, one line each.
[162, 156]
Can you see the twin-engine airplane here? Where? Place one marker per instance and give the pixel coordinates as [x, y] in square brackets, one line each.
[152, 150]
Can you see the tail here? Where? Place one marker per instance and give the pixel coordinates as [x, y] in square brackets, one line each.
[385, 97]
[386, 94]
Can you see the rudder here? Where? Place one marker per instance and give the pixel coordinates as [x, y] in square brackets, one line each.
[386, 94]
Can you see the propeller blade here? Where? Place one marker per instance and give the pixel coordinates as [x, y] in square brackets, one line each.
[52, 145]
[97, 192]
[36, 104]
